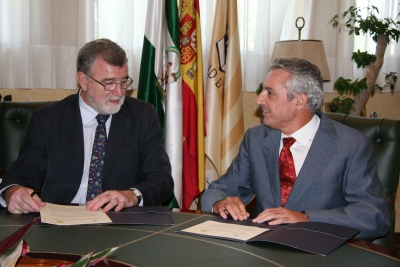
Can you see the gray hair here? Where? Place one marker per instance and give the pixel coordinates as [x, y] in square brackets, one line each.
[305, 78]
[104, 48]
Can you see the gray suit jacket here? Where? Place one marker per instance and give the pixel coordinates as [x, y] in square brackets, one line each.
[337, 184]
[52, 159]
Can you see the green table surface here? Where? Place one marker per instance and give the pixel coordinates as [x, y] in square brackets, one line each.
[142, 245]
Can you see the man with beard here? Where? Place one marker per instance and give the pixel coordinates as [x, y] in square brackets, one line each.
[96, 146]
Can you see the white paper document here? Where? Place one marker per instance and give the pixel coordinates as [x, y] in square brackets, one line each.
[225, 230]
[71, 215]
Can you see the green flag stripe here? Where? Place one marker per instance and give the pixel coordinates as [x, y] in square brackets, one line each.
[149, 88]
[171, 10]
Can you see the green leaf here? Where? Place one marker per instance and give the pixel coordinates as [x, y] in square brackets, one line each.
[344, 104]
[102, 255]
[371, 25]
[83, 261]
[390, 81]
[376, 86]
[363, 59]
[345, 86]
[259, 89]
[341, 85]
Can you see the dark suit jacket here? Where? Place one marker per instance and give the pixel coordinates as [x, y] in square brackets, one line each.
[52, 159]
[338, 182]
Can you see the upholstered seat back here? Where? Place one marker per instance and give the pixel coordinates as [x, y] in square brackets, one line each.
[14, 120]
[385, 135]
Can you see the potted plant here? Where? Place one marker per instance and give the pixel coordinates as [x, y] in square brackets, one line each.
[382, 32]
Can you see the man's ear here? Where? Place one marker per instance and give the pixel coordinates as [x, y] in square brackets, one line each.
[301, 101]
[82, 80]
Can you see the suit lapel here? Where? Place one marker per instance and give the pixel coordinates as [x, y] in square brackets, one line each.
[73, 132]
[116, 137]
[321, 151]
[271, 152]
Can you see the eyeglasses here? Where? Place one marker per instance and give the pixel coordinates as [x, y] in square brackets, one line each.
[112, 86]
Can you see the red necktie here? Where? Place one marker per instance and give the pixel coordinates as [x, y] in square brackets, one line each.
[287, 172]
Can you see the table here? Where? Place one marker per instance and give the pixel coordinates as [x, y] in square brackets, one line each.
[145, 245]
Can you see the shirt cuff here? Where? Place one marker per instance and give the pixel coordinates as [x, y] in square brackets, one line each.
[2, 200]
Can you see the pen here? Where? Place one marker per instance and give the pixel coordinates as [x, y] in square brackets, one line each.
[33, 193]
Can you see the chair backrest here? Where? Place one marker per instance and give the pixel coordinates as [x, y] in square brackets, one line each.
[385, 135]
[14, 120]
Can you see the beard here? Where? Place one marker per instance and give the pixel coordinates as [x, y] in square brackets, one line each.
[104, 106]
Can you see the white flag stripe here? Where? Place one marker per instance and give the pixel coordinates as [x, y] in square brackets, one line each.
[173, 111]
[173, 137]
[155, 31]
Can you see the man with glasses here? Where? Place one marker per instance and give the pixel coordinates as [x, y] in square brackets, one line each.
[98, 146]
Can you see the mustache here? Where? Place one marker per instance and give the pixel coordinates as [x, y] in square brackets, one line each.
[114, 98]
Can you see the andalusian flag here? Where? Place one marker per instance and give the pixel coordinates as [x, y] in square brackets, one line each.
[160, 80]
[224, 104]
[192, 101]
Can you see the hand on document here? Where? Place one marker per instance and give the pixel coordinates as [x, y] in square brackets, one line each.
[233, 206]
[21, 199]
[280, 215]
[112, 199]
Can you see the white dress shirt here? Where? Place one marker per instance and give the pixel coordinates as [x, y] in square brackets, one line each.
[89, 123]
[304, 138]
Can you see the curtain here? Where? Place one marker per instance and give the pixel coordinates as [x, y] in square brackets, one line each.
[39, 42]
[123, 22]
[40, 39]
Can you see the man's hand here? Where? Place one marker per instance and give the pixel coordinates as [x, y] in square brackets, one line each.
[113, 198]
[233, 206]
[19, 200]
[280, 215]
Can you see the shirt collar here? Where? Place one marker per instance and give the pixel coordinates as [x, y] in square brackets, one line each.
[305, 133]
[88, 114]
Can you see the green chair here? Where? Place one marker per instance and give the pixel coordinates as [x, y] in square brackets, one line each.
[385, 134]
[14, 120]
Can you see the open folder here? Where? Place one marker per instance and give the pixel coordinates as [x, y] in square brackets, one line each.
[314, 237]
[150, 215]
